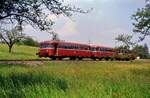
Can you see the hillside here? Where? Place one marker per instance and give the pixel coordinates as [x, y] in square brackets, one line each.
[19, 52]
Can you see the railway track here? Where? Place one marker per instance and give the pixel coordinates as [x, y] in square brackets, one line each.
[26, 60]
[43, 61]
[30, 62]
[66, 59]
[23, 62]
[40, 60]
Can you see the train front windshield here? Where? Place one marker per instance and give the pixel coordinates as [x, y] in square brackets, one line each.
[46, 46]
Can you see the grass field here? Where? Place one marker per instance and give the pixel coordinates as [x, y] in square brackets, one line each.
[76, 80]
[19, 52]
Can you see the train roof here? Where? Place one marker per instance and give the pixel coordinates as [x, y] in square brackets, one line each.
[99, 46]
[49, 41]
[64, 42]
[74, 43]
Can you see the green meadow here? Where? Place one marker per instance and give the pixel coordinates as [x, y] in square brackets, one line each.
[78, 79]
[19, 52]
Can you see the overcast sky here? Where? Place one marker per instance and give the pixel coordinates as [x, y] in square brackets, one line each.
[108, 19]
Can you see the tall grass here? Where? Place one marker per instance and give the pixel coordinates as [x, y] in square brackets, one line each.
[29, 85]
[76, 80]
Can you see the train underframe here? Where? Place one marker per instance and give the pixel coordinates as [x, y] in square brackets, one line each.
[89, 58]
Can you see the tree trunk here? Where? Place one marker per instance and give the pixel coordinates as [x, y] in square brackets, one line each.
[10, 48]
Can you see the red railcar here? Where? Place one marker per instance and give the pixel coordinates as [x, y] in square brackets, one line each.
[101, 52]
[47, 49]
[61, 49]
[72, 50]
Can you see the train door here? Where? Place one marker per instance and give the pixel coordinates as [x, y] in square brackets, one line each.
[55, 49]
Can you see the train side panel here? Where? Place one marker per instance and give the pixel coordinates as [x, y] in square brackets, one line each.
[46, 52]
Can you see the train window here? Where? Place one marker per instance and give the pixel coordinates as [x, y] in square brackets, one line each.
[66, 47]
[105, 49]
[99, 49]
[93, 49]
[71, 47]
[46, 46]
[102, 49]
[60, 46]
[77, 47]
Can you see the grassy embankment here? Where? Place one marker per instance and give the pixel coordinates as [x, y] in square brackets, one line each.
[76, 80]
[19, 52]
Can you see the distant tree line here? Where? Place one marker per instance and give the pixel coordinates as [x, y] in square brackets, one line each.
[141, 51]
[138, 50]
[29, 41]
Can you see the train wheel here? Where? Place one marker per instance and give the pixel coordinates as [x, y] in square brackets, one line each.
[94, 59]
[117, 59]
[100, 59]
[127, 59]
[106, 59]
[73, 58]
[123, 59]
[80, 58]
[112, 59]
[53, 58]
[60, 58]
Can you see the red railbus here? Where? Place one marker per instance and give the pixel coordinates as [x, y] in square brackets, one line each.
[56, 49]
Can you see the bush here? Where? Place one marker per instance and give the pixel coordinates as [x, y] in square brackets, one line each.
[29, 42]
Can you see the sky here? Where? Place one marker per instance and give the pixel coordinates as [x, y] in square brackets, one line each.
[101, 26]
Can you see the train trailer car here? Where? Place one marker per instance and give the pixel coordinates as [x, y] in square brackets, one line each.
[72, 50]
[102, 52]
[56, 49]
